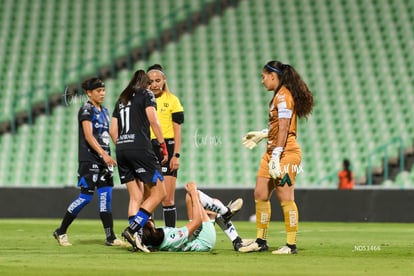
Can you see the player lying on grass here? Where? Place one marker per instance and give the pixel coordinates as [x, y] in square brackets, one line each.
[199, 234]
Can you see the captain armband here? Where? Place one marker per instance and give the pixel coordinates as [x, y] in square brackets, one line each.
[283, 111]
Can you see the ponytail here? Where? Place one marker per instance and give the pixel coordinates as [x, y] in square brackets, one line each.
[139, 80]
[291, 79]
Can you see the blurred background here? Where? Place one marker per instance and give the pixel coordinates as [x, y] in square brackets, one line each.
[355, 55]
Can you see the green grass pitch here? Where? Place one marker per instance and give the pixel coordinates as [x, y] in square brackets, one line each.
[28, 248]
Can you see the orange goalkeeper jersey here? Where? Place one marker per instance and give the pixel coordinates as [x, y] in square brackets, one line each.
[282, 106]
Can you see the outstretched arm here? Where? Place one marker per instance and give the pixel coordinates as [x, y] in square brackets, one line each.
[198, 214]
[252, 138]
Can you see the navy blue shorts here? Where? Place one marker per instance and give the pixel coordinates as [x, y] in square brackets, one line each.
[138, 164]
[93, 175]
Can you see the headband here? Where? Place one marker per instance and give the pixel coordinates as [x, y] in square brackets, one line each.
[278, 71]
[157, 70]
[95, 84]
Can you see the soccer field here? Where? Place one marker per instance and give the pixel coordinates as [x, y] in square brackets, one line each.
[28, 248]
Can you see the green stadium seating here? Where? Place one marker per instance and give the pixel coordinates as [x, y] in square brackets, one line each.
[354, 55]
[43, 42]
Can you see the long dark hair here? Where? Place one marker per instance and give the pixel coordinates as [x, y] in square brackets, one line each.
[347, 168]
[151, 235]
[139, 80]
[291, 79]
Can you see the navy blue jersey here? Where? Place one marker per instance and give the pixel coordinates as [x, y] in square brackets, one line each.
[100, 130]
[133, 124]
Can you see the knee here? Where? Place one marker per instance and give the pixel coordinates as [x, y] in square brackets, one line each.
[160, 193]
[260, 195]
[286, 194]
[162, 196]
[167, 202]
[135, 197]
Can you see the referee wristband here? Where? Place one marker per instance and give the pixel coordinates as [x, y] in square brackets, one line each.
[163, 148]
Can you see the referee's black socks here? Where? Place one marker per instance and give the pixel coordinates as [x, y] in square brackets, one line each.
[170, 215]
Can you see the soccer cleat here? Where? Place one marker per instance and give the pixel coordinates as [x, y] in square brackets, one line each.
[246, 242]
[253, 247]
[234, 208]
[239, 243]
[285, 250]
[115, 242]
[135, 240]
[139, 244]
[62, 239]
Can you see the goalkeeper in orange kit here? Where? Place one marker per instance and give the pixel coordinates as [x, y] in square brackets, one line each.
[278, 167]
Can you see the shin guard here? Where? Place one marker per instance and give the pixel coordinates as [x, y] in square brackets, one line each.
[291, 218]
[263, 214]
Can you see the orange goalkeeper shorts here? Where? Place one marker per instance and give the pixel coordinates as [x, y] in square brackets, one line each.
[290, 164]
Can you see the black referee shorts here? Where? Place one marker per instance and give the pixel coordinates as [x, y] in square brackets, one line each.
[165, 168]
[140, 164]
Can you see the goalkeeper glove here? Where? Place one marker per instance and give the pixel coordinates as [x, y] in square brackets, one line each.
[274, 163]
[252, 138]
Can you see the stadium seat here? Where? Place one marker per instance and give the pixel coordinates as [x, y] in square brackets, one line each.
[354, 57]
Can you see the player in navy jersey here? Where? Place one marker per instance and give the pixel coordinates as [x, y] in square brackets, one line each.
[134, 114]
[95, 163]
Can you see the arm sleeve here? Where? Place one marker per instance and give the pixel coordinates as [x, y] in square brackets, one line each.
[178, 117]
[177, 110]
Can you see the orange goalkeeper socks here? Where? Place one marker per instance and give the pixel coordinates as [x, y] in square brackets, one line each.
[263, 213]
[291, 218]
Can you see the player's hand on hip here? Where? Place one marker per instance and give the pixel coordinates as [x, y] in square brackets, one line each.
[252, 138]
[274, 164]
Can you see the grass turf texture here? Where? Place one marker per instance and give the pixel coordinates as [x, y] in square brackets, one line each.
[28, 248]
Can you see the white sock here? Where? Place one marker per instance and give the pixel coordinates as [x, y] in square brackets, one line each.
[211, 204]
[228, 228]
